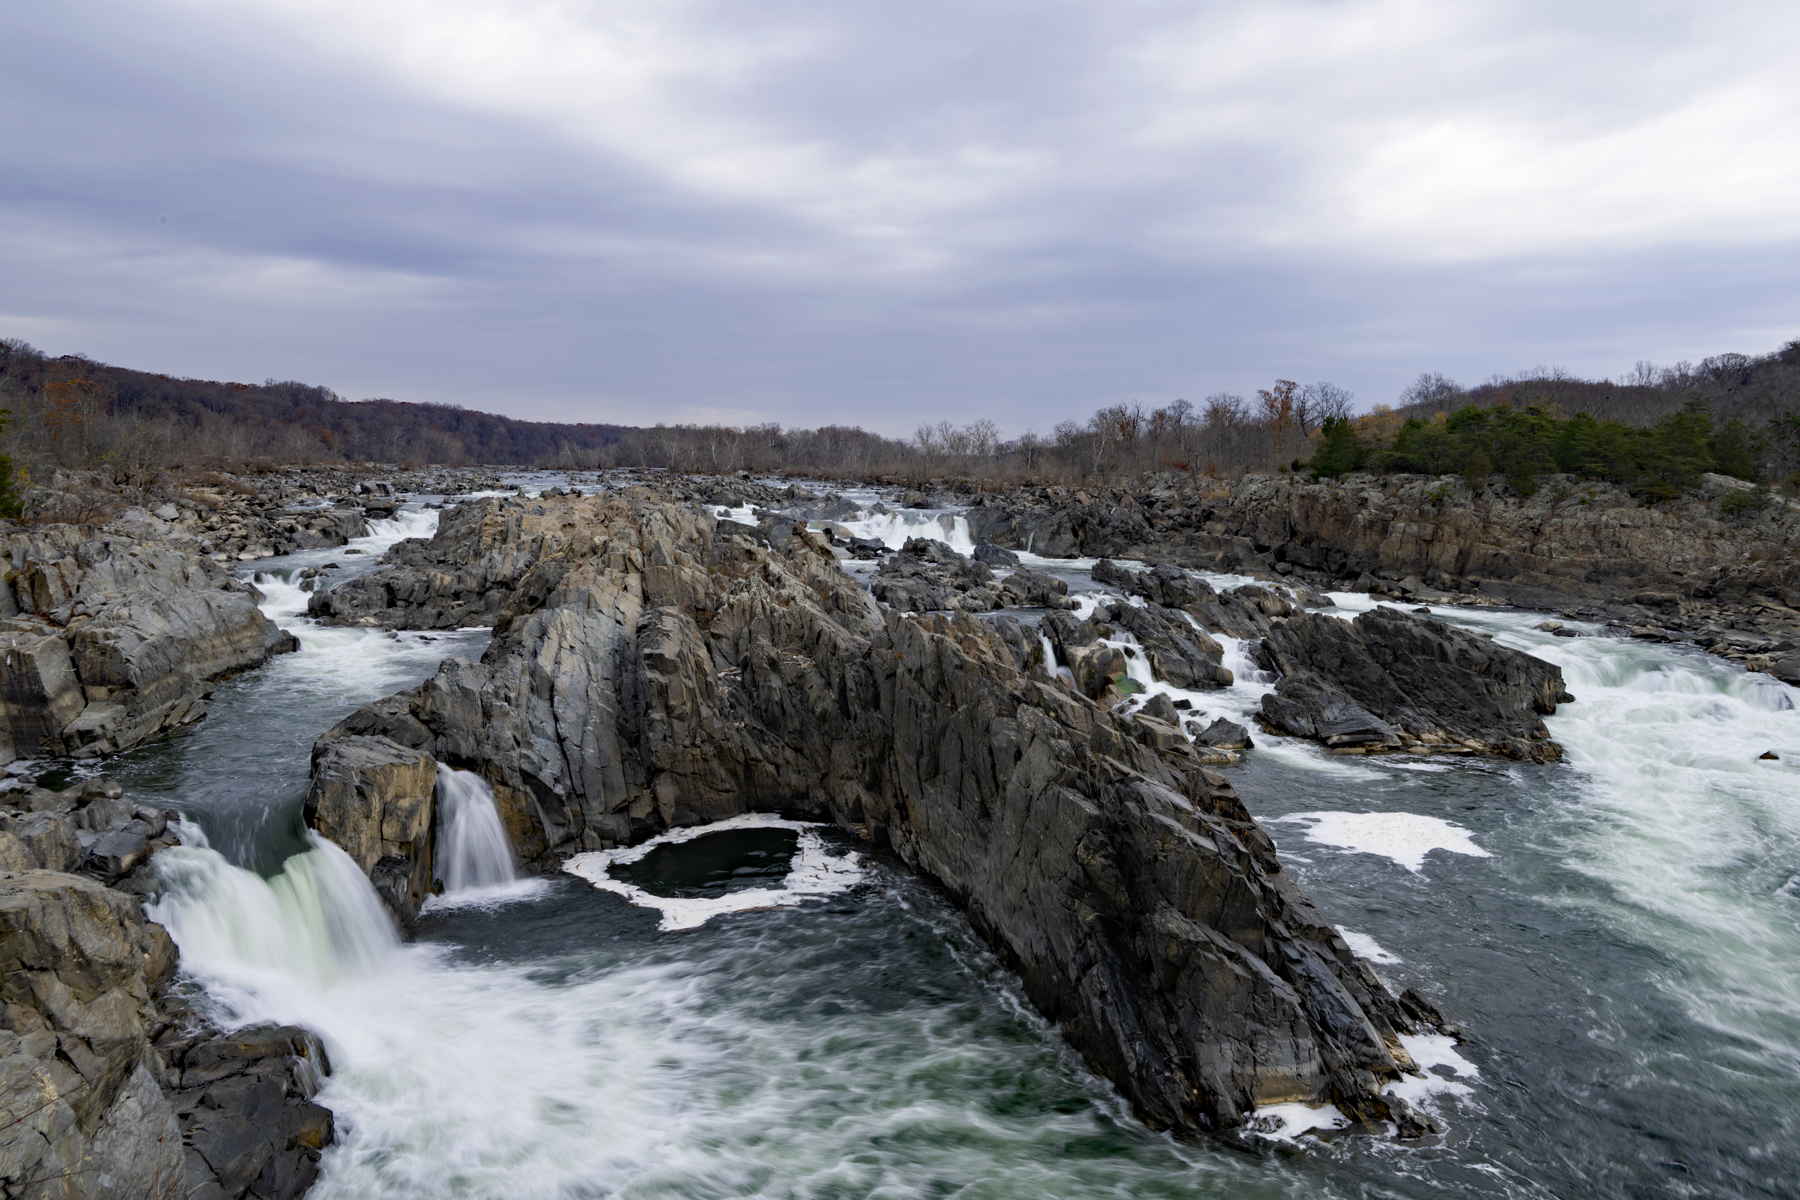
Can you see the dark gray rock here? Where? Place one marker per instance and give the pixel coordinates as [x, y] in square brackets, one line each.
[109, 639]
[244, 1104]
[1224, 735]
[672, 671]
[995, 556]
[1392, 679]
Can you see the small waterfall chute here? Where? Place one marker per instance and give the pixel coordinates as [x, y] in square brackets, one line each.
[318, 919]
[473, 851]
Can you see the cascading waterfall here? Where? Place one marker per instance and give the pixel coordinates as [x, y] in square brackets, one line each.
[408, 523]
[473, 850]
[318, 919]
[892, 529]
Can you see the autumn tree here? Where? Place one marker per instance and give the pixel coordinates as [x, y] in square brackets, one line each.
[1279, 410]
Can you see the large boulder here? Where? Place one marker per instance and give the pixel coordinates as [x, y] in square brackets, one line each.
[244, 1102]
[374, 797]
[77, 964]
[109, 639]
[1390, 679]
[671, 670]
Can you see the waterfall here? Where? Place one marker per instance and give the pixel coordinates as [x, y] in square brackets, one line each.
[318, 919]
[473, 852]
[892, 529]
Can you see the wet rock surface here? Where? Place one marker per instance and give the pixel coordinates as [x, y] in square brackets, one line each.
[1679, 570]
[374, 798]
[111, 1085]
[108, 637]
[1390, 679]
[928, 576]
[655, 667]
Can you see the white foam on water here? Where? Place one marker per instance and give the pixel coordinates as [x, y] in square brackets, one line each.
[1432, 1051]
[1692, 834]
[813, 873]
[1039, 562]
[1366, 947]
[448, 1079]
[1406, 838]
[1287, 1122]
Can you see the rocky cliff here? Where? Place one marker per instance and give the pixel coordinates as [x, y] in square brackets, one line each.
[653, 667]
[1725, 576]
[112, 635]
[110, 1084]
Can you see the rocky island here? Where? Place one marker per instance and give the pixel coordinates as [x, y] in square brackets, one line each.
[656, 666]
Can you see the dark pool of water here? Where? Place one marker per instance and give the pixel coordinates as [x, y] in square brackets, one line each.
[732, 860]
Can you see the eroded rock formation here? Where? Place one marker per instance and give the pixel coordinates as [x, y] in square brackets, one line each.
[1393, 679]
[1685, 569]
[108, 638]
[653, 667]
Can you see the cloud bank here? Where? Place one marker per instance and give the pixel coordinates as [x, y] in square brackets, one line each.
[882, 214]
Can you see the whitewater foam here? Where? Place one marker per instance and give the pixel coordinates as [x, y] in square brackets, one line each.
[1406, 838]
[1366, 947]
[813, 873]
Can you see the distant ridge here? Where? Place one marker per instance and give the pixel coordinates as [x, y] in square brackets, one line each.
[290, 421]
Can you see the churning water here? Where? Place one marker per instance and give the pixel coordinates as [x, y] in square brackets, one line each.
[1619, 935]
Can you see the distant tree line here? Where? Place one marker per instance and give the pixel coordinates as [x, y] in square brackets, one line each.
[75, 411]
[1653, 431]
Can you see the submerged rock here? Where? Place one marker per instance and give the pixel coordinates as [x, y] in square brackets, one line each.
[662, 669]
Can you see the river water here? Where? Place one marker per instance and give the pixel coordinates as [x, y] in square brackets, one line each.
[1619, 935]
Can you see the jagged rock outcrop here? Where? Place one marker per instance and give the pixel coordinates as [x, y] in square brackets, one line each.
[110, 1085]
[107, 639]
[1392, 680]
[244, 1103]
[77, 964]
[928, 576]
[1686, 567]
[657, 668]
[374, 798]
[89, 828]
[461, 575]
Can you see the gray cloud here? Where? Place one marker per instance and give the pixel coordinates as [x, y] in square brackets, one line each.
[883, 214]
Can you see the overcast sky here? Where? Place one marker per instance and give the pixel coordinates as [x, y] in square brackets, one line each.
[883, 213]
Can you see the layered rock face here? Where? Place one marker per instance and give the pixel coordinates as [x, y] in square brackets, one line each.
[1386, 681]
[110, 1086]
[1395, 680]
[374, 799]
[108, 638]
[928, 576]
[1573, 542]
[462, 575]
[655, 668]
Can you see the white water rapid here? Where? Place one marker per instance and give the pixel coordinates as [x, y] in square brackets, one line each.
[1618, 933]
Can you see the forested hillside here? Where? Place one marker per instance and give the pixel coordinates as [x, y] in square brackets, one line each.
[1654, 431]
[73, 410]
